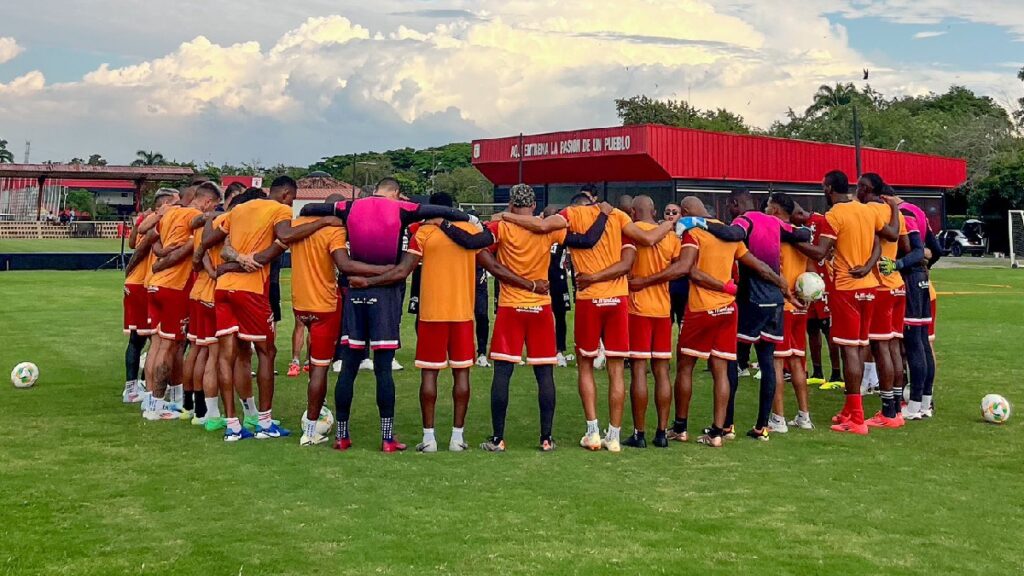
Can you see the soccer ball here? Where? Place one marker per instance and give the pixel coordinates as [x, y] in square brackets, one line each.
[810, 287]
[324, 424]
[995, 409]
[24, 375]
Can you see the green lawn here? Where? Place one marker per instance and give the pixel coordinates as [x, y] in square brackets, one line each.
[63, 245]
[88, 487]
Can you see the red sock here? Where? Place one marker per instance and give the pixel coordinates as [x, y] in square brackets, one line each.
[855, 408]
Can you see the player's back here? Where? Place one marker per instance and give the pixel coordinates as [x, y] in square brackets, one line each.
[794, 263]
[890, 249]
[250, 229]
[605, 253]
[715, 258]
[527, 255]
[448, 275]
[920, 219]
[203, 287]
[654, 300]
[175, 228]
[763, 241]
[375, 228]
[853, 227]
[314, 281]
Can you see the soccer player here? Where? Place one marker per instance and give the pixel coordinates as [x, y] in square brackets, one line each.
[138, 271]
[761, 301]
[244, 316]
[850, 230]
[819, 317]
[168, 292]
[371, 316]
[650, 329]
[444, 329]
[524, 308]
[886, 326]
[561, 297]
[602, 309]
[679, 288]
[790, 353]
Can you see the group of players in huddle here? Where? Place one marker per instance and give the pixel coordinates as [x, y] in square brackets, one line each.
[200, 275]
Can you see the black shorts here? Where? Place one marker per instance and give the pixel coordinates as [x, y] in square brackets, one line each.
[561, 302]
[760, 322]
[275, 300]
[372, 318]
[919, 306]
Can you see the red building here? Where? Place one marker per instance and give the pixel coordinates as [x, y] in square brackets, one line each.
[669, 163]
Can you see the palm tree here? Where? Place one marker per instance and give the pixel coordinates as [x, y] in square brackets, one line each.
[149, 158]
[829, 97]
[6, 157]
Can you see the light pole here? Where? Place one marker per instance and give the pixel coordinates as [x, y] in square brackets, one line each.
[366, 173]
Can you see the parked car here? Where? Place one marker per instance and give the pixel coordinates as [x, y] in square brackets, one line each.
[969, 239]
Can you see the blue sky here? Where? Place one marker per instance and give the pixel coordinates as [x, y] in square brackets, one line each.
[271, 81]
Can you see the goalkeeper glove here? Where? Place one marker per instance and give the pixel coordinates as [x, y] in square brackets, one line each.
[688, 222]
[887, 266]
[730, 287]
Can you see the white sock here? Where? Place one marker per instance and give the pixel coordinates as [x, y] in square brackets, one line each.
[176, 394]
[778, 418]
[213, 407]
[593, 427]
[129, 386]
[295, 359]
[913, 407]
[249, 407]
[233, 425]
[870, 373]
[309, 429]
[457, 435]
[428, 435]
[265, 420]
[804, 415]
[926, 402]
[146, 395]
[613, 433]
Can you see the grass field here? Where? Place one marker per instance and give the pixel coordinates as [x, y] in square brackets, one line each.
[88, 487]
[62, 245]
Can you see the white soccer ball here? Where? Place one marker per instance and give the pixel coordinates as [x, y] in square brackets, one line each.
[995, 409]
[324, 424]
[810, 287]
[24, 375]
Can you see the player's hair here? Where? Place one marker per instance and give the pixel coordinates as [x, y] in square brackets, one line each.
[198, 179]
[234, 188]
[442, 199]
[589, 189]
[286, 182]
[389, 182]
[838, 182]
[249, 194]
[210, 189]
[580, 200]
[785, 201]
[877, 184]
[163, 196]
[736, 193]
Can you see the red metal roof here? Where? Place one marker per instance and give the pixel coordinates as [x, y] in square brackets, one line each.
[652, 152]
[348, 191]
[89, 184]
[155, 173]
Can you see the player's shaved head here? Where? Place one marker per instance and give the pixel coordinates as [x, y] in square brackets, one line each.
[550, 210]
[335, 198]
[643, 208]
[388, 187]
[693, 206]
[165, 196]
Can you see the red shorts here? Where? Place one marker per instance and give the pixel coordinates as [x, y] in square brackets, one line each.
[650, 337]
[202, 323]
[794, 334]
[136, 310]
[515, 326]
[602, 320]
[709, 333]
[819, 310]
[851, 316]
[890, 308]
[324, 329]
[931, 325]
[443, 344]
[168, 312]
[246, 313]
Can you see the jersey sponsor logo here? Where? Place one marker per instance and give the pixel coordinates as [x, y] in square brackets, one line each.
[863, 296]
[531, 309]
[367, 300]
[601, 302]
[723, 311]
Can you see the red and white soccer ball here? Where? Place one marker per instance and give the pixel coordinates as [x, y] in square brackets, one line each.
[810, 287]
[25, 375]
[995, 409]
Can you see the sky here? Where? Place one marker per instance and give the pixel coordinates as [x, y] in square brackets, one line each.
[270, 82]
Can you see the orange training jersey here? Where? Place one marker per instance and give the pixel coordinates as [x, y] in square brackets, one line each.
[715, 258]
[654, 300]
[250, 229]
[202, 290]
[890, 249]
[314, 281]
[215, 258]
[794, 263]
[138, 274]
[853, 227]
[448, 277]
[605, 253]
[175, 227]
[527, 255]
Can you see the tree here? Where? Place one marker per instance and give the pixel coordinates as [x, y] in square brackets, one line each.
[644, 110]
[6, 157]
[96, 160]
[149, 158]
[830, 97]
[466, 185]
[1018, 114]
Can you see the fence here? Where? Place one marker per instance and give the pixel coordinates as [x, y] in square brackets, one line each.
[19, 198]
[48, 230]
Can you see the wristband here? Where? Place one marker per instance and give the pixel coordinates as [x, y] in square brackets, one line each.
[533, 288]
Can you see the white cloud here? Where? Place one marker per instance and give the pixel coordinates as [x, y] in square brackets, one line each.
[9, 49]
[334, 83]
[929, 34]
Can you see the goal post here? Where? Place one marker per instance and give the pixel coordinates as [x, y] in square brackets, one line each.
[1016, 223]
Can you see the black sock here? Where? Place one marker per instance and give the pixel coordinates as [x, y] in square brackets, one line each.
[640, 434]
[387, 428]
[200, 402]
[734, 384]
[715, 431]
[888, 404]
[189, 400]
[499, 396]
[659, 434]
[545, 399]
[817, 372]
[679, 426]
[835, 377]
[766, 361]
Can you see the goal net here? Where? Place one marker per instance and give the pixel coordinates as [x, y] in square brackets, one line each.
[1016, 218]
[483, 210]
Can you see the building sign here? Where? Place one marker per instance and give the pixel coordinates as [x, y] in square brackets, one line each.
[559, 148]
